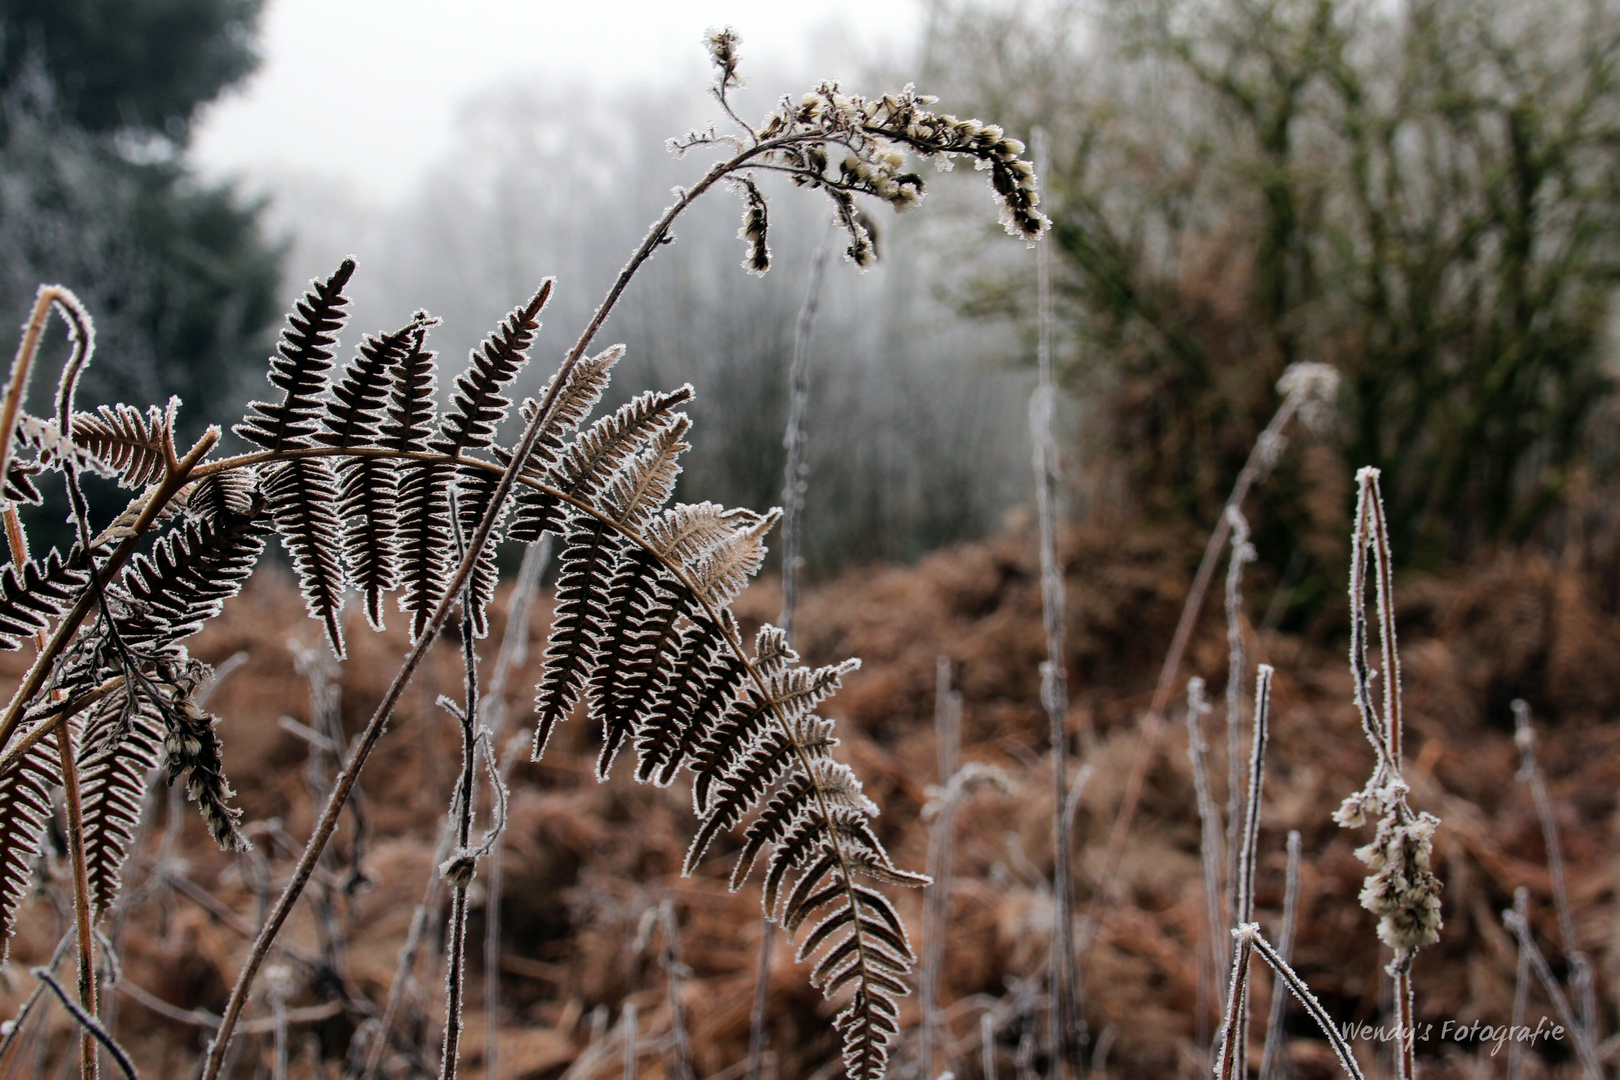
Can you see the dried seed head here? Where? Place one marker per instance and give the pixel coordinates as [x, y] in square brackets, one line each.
[722, 46]
[755, 227]
[1316, 386]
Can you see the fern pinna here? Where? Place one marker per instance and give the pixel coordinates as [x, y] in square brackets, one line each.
[371, 487]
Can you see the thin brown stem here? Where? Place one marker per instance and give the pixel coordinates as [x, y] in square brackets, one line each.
[88, 1067]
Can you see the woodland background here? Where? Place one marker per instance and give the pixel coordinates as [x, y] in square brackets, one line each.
[1425, 195]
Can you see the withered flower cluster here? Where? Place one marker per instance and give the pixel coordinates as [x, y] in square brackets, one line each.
[848, 145]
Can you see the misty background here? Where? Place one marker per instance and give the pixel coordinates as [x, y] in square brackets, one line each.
[1423, 195]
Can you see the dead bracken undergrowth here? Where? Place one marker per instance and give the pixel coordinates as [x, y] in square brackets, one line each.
[585, 862]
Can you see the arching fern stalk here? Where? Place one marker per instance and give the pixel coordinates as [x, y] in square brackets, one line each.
[370, 487]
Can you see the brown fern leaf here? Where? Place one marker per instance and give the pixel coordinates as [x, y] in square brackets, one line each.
[538, 511]
[194, 568]
[591, 461]
[121, 746]
[425, 542]
[644, 606]
[369, 485]
[647, 481]
[474, 490]
[705, 676]
[38, 592]
[590, 551]
[25, 806]
[122, 442]
[478, 408]
[302, 497]
[299, 368]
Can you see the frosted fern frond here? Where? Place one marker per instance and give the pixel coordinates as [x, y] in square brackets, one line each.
[120, 747]
[38, 592]
[299, 368]
[192, 570]
[644, 635]
[478, 408]
[302, 498]
[368, 486]
[25, 807]
[591, 461]
[354, 415]
[122, 442]
[579, 623]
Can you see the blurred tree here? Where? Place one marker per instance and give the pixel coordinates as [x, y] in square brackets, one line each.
[96, 99]
[1425, 194]
[130, 64]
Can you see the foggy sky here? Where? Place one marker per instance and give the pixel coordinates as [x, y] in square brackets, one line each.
[369, 92]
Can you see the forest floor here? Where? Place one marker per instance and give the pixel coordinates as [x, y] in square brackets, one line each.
[584, 862]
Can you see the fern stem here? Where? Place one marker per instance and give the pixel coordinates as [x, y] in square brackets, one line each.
[88, 1065]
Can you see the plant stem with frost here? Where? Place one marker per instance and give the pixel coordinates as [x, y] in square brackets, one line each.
[1064, 1024]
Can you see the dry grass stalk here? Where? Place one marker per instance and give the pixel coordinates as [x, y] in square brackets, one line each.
[796, 482]
[1276, 1045]
[1581, 982]
[514, 648]
[1210, 849]
[947, 737]
[1521, 988]
[1065, 1023]
[1229, 1058]
[1242, 553]
[1519, 927]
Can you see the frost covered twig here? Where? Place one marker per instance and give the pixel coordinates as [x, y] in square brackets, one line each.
[1402, 890]
[1242, 552]
[1302, 994]
[1584, 1050]
[1211, 845]
[1580, 965]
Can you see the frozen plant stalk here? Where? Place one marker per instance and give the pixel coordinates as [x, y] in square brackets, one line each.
[1402, 889]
